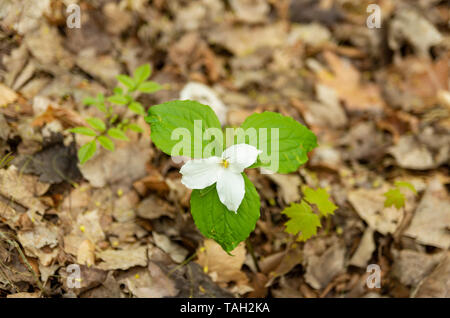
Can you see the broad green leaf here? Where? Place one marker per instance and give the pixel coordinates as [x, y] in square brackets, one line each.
[87, 151]
[118, 99]
[117, 134]
[294, 141]
[149, 87]
[321, 199]
[302, 219]
[137, 108]
[96, 123]
[106, 143]
[394, 197]
[142, 73]
[215, 221]
[135, 128]
[127, 81]
[177, 121]
[404, 184]
[83, 131]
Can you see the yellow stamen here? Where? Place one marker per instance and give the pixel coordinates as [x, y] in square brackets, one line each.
[225, 163]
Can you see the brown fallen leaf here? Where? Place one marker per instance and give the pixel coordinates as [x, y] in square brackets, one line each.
[22, 189]
[289, 186]
[320, 270]
[122, 259]
[176, 251]
[410, 267]
[150, 282]
[369, 204]
[431, 221]
[86, 253]
[437, 284]
[410, 154]
[346, 80]
[7, 95]
[365, 249]
[222, 268]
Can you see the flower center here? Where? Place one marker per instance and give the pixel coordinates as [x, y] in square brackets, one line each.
[225, 163]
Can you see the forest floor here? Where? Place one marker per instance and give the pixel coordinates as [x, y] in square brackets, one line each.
[378, 100]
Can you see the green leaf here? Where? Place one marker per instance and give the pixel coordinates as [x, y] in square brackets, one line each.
[215, 221]
[321, 199]
[83, 131]
[96, 123]
[89, 101]
[302, 219]
[118, 99]
[294, 141]
[394, 197]
[127, 81]
[404, 184]
[135, 128]
[106, 143]
[87, 151]
[149, 87]
[118, 90]
[100, 97]
[188, 116]
[117, 134]
[142, 73]
[137, 108]
[101, 107]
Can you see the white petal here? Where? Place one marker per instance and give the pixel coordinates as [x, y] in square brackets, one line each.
[200, 173]
[241, 156]
[231, 189]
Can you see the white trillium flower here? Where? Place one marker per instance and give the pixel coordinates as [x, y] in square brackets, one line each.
[226, 171]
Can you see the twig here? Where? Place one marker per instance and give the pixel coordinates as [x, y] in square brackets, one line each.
[252, 253]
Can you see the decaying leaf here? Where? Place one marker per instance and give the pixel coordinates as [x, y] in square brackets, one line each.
[431, 219]
[369, 204]
[222, 268]
[122, 259]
